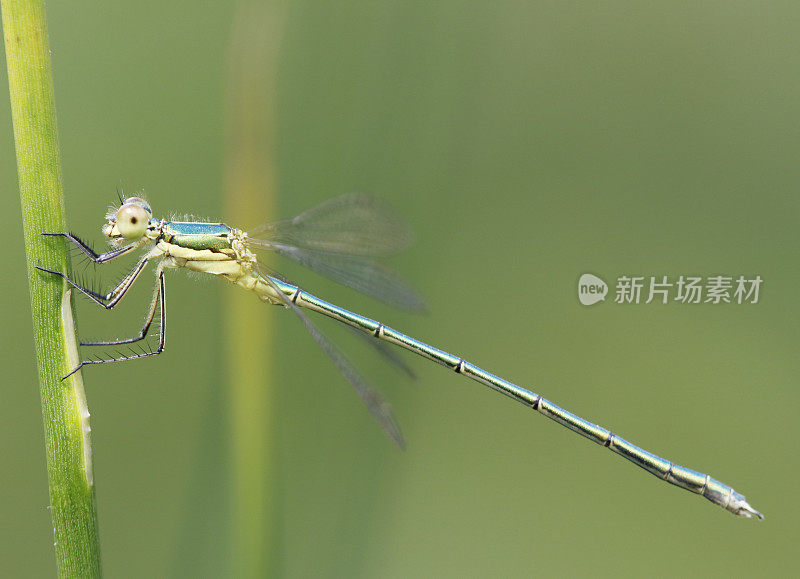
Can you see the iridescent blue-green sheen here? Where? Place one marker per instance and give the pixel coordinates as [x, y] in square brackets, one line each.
[194, 235]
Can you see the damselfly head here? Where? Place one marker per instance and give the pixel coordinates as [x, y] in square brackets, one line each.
[128, 221]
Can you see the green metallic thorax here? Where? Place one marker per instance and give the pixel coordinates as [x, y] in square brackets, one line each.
[194, 235]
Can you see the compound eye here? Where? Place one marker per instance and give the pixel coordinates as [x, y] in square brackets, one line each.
[132, 221]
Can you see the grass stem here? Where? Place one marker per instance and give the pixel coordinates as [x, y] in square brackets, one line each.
[68, 452]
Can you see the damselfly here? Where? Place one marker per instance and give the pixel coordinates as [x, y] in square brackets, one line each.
[342, 239]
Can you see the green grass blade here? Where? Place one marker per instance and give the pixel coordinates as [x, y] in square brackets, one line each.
[64, 411]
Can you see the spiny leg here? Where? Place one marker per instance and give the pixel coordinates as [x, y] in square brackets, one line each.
[160, 295]
[112, 298]
[90, 253]
[147, 322]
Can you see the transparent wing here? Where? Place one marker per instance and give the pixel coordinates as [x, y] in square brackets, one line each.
[343, 239]
[354, 224]
[389, 354]
[377, 406]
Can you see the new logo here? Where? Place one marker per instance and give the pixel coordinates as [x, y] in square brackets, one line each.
[591, 289]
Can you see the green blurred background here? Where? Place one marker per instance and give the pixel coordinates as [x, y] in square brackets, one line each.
[527, 143]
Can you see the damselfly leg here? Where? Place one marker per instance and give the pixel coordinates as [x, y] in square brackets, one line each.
[113, 297]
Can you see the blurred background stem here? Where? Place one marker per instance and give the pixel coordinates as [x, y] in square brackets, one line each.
[72, 499]
[250, 192]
